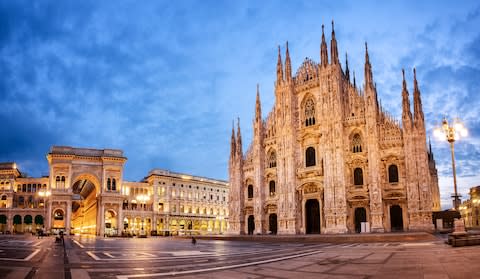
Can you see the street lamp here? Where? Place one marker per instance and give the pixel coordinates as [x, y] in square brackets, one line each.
[44, 194]
[452, 133]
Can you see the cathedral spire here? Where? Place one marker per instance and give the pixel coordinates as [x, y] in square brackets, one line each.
[333, 47]
[239, 140]
[368, 69]
[417, 103]
[347, 71]
[258, 107]
[288, 65]
[279, 68]
[354, 81]
[232, 142]
[323, 50]
[406, 113]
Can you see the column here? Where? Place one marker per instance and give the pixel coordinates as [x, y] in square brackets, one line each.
[49, 215]
[68, 217]
[120, 220]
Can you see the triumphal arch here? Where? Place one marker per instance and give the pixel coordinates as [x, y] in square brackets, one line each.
[85, 188]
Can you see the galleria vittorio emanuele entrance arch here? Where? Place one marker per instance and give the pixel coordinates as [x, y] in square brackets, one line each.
[85, 205]
[85, 187]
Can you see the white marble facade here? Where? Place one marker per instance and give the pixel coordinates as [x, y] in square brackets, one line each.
[328, 157]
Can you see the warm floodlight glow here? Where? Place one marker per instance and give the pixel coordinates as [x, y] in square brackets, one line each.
[452, 133]
[44, 193]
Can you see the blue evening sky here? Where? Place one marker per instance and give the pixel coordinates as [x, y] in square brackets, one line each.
[163, 80]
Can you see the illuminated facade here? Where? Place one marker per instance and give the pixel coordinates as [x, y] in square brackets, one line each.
[85, 193]
[329, 159]
[470, 209]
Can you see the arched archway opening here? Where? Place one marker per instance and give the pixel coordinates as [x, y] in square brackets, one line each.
[28, 220]
[111, 227]
[312, 216]
[84, 206]
[272, 223]
[251, 224]
[17, 224]
[360, 216]
[396, 218]
[3, 223]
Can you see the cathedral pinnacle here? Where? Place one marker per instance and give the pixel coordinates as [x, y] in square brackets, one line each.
[323, 50]
[239, 140]
[406, 113]
[232, 142]
[368, 69]
[288, 65]
[417, 103]
[258, 106]
[347, 71]
[279, 67]
[354, 81]
[333, 47]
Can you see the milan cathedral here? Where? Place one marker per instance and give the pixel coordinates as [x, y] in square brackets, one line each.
[329, 159]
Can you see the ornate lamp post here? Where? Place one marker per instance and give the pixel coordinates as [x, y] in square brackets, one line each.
[44, 194]
[452, 133]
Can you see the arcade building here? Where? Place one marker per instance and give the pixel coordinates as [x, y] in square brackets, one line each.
[85, 193]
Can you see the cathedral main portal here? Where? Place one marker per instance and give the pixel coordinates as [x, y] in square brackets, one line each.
[312, 214]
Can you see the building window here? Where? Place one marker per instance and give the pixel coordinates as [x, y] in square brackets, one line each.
[250, 191]
[358, 177]
[310, 157]
[356, 143]
[272, 159]
[109, 184]
[393, 174]
[114, 184]
[309, 112]
[272, 188]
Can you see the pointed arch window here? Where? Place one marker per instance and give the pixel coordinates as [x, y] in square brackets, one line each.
[272, 188]
[358, 177]
[272, 159]
[309, 112]
[310, 157]
[250, 191]
[356, 143]
[393, 174]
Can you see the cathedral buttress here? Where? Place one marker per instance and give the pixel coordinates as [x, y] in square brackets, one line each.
[372, 140]
[259, 168]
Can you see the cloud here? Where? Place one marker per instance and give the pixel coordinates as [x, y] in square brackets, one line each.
[163, 81]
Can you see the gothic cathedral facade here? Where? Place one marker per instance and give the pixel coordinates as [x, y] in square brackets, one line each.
[329, 159]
